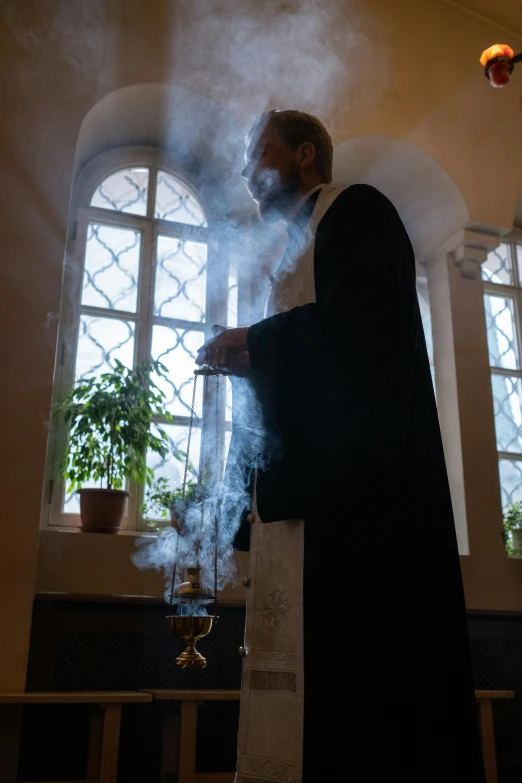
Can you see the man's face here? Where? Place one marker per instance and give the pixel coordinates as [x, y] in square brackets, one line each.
[272, 173]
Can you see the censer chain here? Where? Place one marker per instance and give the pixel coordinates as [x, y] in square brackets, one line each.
[218, 504]
[200, 477]
[184, 485]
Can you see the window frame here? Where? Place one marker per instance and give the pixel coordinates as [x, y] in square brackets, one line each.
[71, 309]
[514, 293]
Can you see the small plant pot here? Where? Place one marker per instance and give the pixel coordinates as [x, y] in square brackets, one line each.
[101, 510]
[516, 537]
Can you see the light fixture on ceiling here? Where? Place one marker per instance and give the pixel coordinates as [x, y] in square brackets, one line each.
[498, 62]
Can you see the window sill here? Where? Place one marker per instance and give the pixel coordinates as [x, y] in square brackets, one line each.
[76, 530]
[100, 564]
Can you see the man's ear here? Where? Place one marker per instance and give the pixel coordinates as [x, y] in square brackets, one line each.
[306, 154]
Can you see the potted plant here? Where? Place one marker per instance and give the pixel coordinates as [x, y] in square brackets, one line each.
[512, 529]
[109, 417]
[162, 501]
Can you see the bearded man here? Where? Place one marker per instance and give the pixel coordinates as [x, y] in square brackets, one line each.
[357, 663]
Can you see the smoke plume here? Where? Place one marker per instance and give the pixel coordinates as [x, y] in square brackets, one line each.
[225, 63]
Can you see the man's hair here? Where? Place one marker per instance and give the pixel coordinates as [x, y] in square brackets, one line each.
[295, 128]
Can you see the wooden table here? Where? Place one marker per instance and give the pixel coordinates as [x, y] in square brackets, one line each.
[102, 766]
[487, 729]
[189, 701]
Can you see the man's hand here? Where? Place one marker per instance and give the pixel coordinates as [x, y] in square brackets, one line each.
[226, 352]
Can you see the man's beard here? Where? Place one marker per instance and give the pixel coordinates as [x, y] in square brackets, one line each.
[277, 197]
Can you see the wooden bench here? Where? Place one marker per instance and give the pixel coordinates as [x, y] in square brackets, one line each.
[106, 716]
[487, 729]
[104, 739]
[189, 701]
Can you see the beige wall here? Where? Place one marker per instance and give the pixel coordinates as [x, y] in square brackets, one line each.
[100, 565]
[425, 87]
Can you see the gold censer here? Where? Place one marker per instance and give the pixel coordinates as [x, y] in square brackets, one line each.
[191, 624]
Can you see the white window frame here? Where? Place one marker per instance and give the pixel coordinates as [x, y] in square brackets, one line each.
[514, 293]
[81, 214]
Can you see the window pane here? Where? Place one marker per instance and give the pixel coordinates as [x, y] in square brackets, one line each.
[507, 403]
[519, 262]
[177, 349]
[510, 473]
[100, 342]
[500, 324]
[232, 297]
[498, 268]
[112, 262]
[124, 191]
[175, 202]
[170, 467]
[180, 288]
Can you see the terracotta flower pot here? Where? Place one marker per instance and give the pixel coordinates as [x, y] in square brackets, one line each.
[101, 510]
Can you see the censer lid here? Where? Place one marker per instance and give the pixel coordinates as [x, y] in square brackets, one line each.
[194, 590]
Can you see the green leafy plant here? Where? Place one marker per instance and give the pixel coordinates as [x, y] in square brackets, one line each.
[160, 498]
[512, 522]
[110, 419]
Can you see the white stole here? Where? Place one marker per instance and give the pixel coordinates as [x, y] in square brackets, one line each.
[270, 740]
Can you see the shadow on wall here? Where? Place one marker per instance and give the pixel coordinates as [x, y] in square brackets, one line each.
[517, 218]
[430, 204]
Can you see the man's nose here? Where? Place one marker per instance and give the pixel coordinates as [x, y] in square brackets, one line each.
[249, 170]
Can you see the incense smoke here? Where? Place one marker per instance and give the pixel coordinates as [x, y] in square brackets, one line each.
[252, 58]
[226, 63]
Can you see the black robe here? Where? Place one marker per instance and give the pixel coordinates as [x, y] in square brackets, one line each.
[354, 448]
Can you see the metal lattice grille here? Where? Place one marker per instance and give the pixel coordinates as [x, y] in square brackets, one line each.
[510, 472]
[177, 348]
[502, 311]
[180, 287]
[498, 267]
[100, 342]
[507, 401]
[175, 202]
[111, 268]
[500, 325]
[124, 191]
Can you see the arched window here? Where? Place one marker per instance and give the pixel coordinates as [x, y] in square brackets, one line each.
[140, 282]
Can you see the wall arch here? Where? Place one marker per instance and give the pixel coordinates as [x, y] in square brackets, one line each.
[192, 129]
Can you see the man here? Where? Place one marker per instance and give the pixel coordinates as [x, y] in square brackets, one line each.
[357, 662]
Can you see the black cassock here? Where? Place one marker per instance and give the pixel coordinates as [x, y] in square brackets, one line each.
[354, 449]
